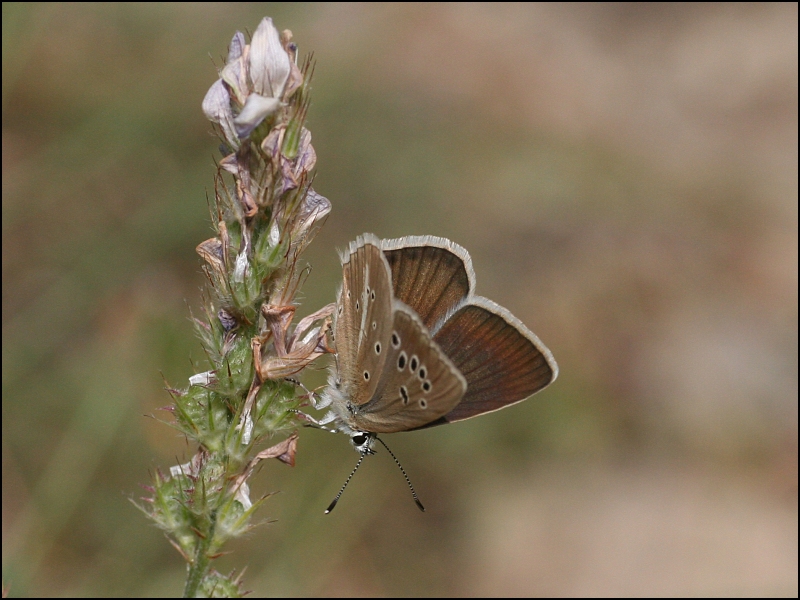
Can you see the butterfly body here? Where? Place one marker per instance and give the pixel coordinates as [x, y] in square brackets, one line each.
[415, 347]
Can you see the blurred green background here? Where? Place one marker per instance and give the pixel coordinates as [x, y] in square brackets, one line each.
[625, 178]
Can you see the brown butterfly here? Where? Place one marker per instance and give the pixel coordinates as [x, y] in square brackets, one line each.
[415, 347]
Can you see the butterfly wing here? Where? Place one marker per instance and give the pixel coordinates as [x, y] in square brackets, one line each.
[430, 274]
[363, 319]
[461, 357]
[501, 359]
[419, 384]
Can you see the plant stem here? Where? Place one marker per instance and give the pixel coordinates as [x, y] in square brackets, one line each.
[199, 566]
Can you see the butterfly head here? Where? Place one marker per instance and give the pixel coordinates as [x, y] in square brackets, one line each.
[363, 442]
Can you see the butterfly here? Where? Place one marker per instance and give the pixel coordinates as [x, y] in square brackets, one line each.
[416, 347]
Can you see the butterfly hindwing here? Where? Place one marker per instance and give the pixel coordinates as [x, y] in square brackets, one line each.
[419, 383]
[501, 359]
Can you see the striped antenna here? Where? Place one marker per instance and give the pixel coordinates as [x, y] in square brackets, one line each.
[341, 491]
[403, 471]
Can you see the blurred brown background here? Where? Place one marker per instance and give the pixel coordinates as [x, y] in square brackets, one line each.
[625, 178]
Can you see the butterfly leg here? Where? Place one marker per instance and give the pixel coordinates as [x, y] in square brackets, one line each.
[317, 401]
[312, 422]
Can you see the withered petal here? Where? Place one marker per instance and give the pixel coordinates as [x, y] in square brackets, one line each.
[255, 110]
[269, 63]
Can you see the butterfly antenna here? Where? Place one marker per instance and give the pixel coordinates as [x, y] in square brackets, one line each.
[403, 471]
[341, 491]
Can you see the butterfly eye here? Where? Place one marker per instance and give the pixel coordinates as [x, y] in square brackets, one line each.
[401, 361]
[395, 340]
[360, 439]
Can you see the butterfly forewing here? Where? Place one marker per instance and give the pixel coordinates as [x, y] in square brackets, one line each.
[364, 317]
[502, 361]
[431, 275]
[419, 383]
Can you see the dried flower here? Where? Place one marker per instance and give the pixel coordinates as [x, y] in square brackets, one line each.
[292, 352]
[251, 84]
[265, 215]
